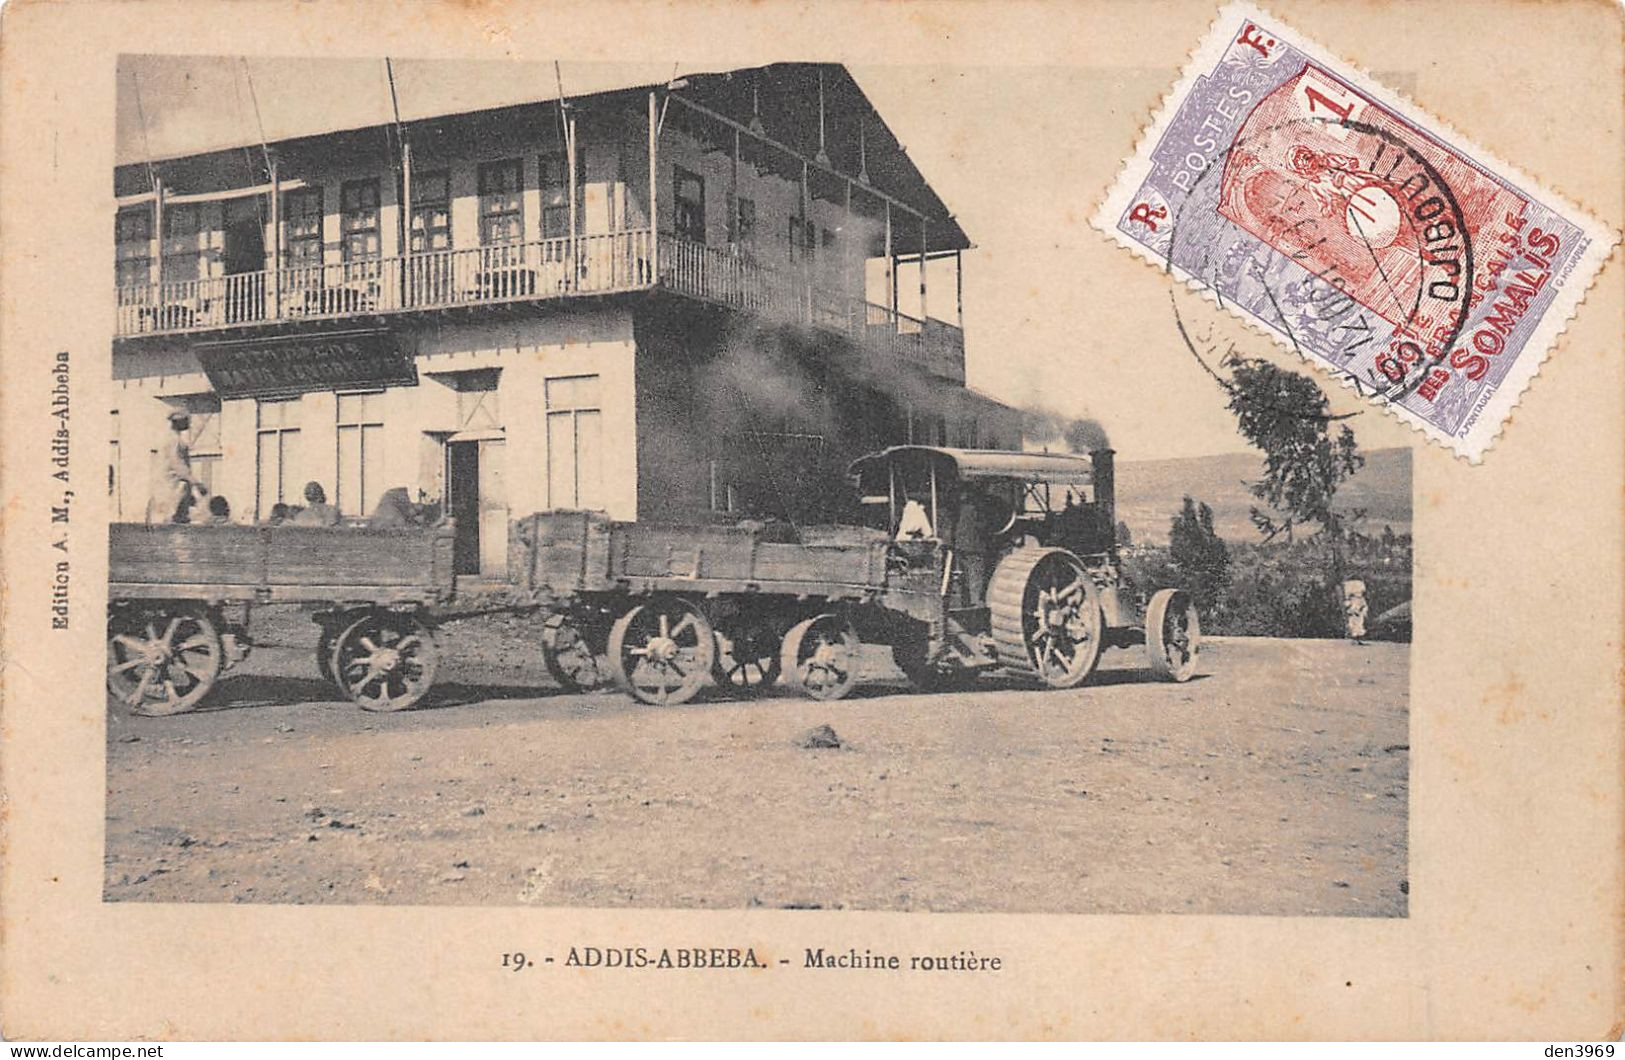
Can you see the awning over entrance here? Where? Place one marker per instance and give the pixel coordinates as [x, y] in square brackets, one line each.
[296, 364]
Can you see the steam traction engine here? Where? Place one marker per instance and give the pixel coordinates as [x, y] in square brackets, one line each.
[970, 560]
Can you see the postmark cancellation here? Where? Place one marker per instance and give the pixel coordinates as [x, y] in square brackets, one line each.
[1359, 232]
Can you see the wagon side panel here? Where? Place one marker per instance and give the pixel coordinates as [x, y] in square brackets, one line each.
[143, 559]
[354, 556]
[561, 552]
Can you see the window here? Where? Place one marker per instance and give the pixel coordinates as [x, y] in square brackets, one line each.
[689, 205]
[276, 456]
[574, 461]
[502, 212]
[358, 220]
[555, 196]
[183, 255]
[132, 237]
[303, 211]
[477, 407]
[203, 437]
[745, 222]
[431, 212]
[361, 452]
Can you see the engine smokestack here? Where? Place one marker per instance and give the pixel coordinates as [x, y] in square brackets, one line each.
[1106, 487]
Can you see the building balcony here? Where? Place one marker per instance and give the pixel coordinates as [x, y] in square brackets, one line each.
[520, 273]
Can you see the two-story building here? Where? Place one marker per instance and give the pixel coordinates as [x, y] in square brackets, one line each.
[673, 302]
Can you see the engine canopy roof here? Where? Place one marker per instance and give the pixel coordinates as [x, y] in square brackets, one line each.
[1059, 469]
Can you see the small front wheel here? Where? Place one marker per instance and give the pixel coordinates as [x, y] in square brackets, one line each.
[820, 657]
[1172, 634]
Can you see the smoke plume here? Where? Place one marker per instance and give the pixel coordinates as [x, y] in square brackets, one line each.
[1045, 427]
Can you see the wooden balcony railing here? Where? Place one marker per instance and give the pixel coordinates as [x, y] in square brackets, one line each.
[525, 272]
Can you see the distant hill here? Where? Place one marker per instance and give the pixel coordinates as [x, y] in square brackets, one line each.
[1149, 493]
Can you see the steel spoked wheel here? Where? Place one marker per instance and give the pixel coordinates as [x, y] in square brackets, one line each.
[1046, 616]
[747, 659]
[660, 652]
[570, 659]
[385, 661]
[162, 664]
[1172, 634]
[820, 657]
[324, 654]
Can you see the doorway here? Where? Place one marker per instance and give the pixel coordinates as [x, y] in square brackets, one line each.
[243, 258]
[477, 498]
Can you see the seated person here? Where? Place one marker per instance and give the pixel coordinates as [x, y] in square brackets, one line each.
[219, 511]
[914, 525]
[317, 512]
[395, 509]
[279, 514]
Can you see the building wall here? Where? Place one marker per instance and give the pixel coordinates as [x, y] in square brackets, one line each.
[416, 421]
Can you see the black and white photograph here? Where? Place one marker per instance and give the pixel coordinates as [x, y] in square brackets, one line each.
[482, 541]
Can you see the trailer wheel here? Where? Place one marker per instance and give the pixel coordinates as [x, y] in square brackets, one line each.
[747, 659]
[1046, 616]
[160, 664]
[324, 654]
[661, 652]
[384, 661]
[569, 658]
[1172, 634]
[820, 657]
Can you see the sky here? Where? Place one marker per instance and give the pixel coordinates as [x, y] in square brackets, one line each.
[1055, 317]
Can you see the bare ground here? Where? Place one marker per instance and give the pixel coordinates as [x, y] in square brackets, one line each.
[1273, 783]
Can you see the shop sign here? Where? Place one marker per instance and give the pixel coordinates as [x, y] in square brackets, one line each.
[297, 364]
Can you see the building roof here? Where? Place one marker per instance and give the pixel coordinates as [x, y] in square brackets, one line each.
[1059, 469]
[786, 95]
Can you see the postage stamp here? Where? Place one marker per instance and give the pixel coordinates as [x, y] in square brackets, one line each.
[1375, 241]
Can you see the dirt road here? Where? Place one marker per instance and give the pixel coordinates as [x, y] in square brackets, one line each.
[1273, 783]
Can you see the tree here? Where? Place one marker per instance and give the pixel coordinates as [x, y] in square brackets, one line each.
[1199, 555]
[1286, 416]
[1125, 537]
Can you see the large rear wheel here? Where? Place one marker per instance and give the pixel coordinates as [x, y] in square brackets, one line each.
[1046, 618]
[660, 652]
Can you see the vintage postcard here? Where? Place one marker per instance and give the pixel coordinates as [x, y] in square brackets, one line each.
[1411, 265]
[649, 521]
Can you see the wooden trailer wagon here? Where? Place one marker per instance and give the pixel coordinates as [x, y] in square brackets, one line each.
[180, 597]
[972, 560]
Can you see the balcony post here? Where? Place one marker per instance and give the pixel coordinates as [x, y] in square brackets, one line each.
[891, 269]
[570, 164]
[654, 180]
[403, 244]
[276, 241]
[809, 244]
[847, 235]
[158, 225]
[959, 290]
[923, 314]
